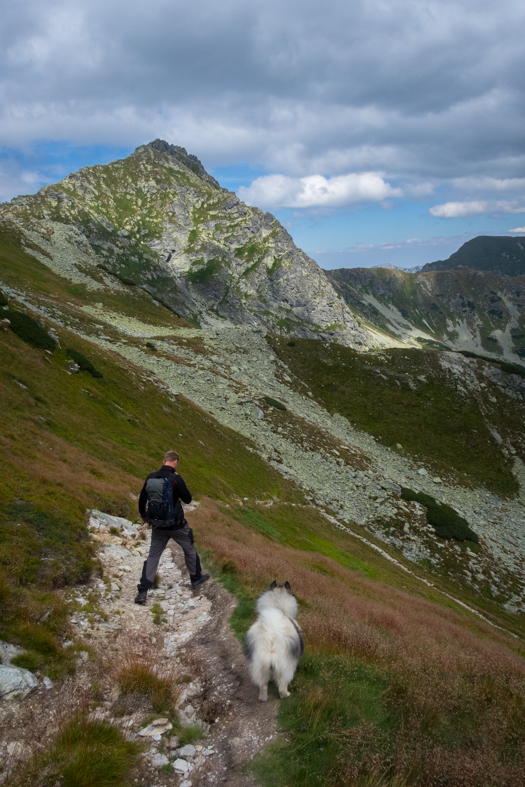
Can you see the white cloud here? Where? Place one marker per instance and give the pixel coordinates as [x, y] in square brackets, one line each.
[281, 191]
[485, 184]
[15, 179]
[455, 210]
[420, 91]
[518, 229]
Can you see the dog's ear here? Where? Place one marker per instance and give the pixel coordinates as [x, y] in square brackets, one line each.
[287, 586]
[273, 585]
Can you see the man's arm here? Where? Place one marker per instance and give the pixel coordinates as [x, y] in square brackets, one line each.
[143, 501]
[181, 490]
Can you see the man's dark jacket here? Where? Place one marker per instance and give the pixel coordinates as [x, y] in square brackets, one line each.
[180, 492]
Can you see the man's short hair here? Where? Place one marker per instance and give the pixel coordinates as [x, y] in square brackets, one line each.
[171, 456]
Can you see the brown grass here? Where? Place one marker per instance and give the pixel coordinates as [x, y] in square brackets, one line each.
[137, 675]
[348, 612]
[454, 685]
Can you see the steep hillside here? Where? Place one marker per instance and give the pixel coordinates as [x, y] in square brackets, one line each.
[387, 486]
[502, 255]
[156, 220]
[476, 310]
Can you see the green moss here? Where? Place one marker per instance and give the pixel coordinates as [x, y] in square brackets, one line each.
[27, 329]
[505, 366]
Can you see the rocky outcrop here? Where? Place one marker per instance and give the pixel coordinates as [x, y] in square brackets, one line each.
[158, 221]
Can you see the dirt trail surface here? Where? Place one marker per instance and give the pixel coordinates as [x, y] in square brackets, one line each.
[240, 725]
[191, 643]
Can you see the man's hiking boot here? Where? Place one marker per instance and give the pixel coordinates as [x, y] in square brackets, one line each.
[141, 597]
[196, 582]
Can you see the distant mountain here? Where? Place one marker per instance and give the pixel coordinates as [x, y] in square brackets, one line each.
[477, 310]
[157, 220]
[501, 255]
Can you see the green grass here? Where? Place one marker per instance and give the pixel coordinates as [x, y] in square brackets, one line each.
[207, 272]
[349, 723]
[138, 677]
[83, 754]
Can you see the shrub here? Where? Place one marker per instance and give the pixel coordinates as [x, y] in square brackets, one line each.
[274, 403]
[118, 276]
[204, 274]
[3, 299]
[138, 677]
[84, 754]
[446, 522]
[291, 344]
[505, 366]
[27, 329]
[84, 363]
[151, 346]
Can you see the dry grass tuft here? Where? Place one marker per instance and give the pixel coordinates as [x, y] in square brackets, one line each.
[138, 676]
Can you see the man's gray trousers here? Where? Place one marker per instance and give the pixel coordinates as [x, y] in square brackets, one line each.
[159, 541]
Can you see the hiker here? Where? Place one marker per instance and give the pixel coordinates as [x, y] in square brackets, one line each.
[162, 492]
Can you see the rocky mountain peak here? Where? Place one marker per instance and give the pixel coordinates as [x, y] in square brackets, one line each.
[157, 220]
[180, 155]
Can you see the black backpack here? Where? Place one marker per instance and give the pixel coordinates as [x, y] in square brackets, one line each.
[161, 512]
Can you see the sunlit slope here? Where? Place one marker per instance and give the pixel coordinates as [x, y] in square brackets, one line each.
[478, 310]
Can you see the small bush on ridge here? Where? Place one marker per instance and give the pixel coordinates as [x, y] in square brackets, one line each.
[84, 363]
[445, 521]
[27, 329]
[274, 403]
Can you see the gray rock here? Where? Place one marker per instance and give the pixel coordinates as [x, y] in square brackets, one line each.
[159, 760]
[115, 552]
[8, 652]
[16, 682]
[181, 766]
[187, 751]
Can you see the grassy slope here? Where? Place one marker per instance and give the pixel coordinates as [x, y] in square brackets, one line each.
[434, 423]
[376, 639]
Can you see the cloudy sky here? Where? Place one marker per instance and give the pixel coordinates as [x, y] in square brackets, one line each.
[378, 131]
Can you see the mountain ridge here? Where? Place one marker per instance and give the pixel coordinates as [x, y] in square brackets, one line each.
[157, 220]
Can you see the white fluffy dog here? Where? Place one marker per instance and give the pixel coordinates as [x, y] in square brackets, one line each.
[274, 644]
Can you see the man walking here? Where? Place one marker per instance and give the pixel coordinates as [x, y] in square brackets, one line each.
[160, 506]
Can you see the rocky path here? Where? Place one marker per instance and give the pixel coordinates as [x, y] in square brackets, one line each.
[188, 640]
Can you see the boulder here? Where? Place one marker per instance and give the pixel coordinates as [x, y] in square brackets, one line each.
[8, 652]
[103, 522]
[16, 682]
[159, 760]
